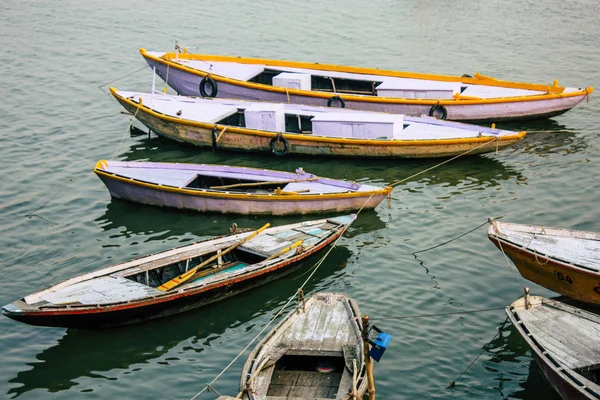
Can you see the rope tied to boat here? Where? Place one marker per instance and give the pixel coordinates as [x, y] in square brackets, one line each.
[118, 79]
[287, 94]
[128, 126]
[535, 253]
[443, 162]
[281, 310]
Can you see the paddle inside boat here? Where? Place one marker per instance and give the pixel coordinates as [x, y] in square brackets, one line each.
[565, 261]
[280, 129]
[231, 189]
[466, 98]
[177, 280]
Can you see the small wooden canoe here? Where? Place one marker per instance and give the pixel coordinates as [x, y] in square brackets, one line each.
[310, 354]
[154, 286]
[563, 260]
[465, 98]
[280, 129]
[230, 189]
[564, 341]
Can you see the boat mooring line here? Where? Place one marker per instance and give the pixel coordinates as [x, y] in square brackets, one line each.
[52, 197]
[451, 240]
[294, 296]
[438, 314]
[453, 383]
[508, 264]
[131, 120]
[496, 139]
[101, 87]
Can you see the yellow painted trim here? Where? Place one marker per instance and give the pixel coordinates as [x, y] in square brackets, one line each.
[241, 196]
[311, 138]
[552, 91]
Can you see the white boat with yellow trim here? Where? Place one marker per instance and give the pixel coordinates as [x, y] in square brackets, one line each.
[232, 189]
[566, 261]
[474, 98]
[278, 128]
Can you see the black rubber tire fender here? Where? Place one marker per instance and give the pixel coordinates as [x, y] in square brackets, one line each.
[332, 98]
[279, 139]
[436, 107]
[213, 87]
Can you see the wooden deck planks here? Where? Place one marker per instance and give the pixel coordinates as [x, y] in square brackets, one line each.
[570, 338]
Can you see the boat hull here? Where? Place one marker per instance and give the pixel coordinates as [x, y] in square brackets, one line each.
[565, 381]
[186, 81]
[240, 139]
[203, 201]
[175, 302]
[552, 274]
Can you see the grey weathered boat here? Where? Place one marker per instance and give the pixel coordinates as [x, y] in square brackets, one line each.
[177, 280]
[311, 354]
[565, 342]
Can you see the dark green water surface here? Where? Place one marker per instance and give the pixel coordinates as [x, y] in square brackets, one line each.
[57, 219]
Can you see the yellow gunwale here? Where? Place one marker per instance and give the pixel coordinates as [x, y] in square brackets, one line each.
[98, 169]
[297, 136]
[553, 92]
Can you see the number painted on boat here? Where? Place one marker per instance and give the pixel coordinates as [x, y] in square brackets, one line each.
[563, 277]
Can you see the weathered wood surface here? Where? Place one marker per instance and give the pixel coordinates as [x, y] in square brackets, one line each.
[570, 335]
[564, 341]
[323, 326]
[572, 246]
[108, 285]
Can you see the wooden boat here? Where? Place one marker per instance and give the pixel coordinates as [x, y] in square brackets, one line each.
[317, 131]
[176, 280]
[465, 98]
[230, 189]
[563, 260]
[310, 354]
[564, 341]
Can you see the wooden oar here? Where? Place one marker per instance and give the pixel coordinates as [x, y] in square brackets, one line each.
[263, 183]
[187, 275]
[293, 246]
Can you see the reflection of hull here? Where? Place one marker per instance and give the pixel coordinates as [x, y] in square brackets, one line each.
[543, 255]
[445, 141]
[548, 101]
[280, 193]
[543, 323]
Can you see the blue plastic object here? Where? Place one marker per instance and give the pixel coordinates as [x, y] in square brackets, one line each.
[378, 348]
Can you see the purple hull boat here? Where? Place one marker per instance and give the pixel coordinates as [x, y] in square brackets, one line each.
[460, 98]
[236, 190]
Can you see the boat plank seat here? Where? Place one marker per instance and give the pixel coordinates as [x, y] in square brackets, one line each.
[318, 330]
[269, 244]
[106, 289]
[304, 385]
[571, 339]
